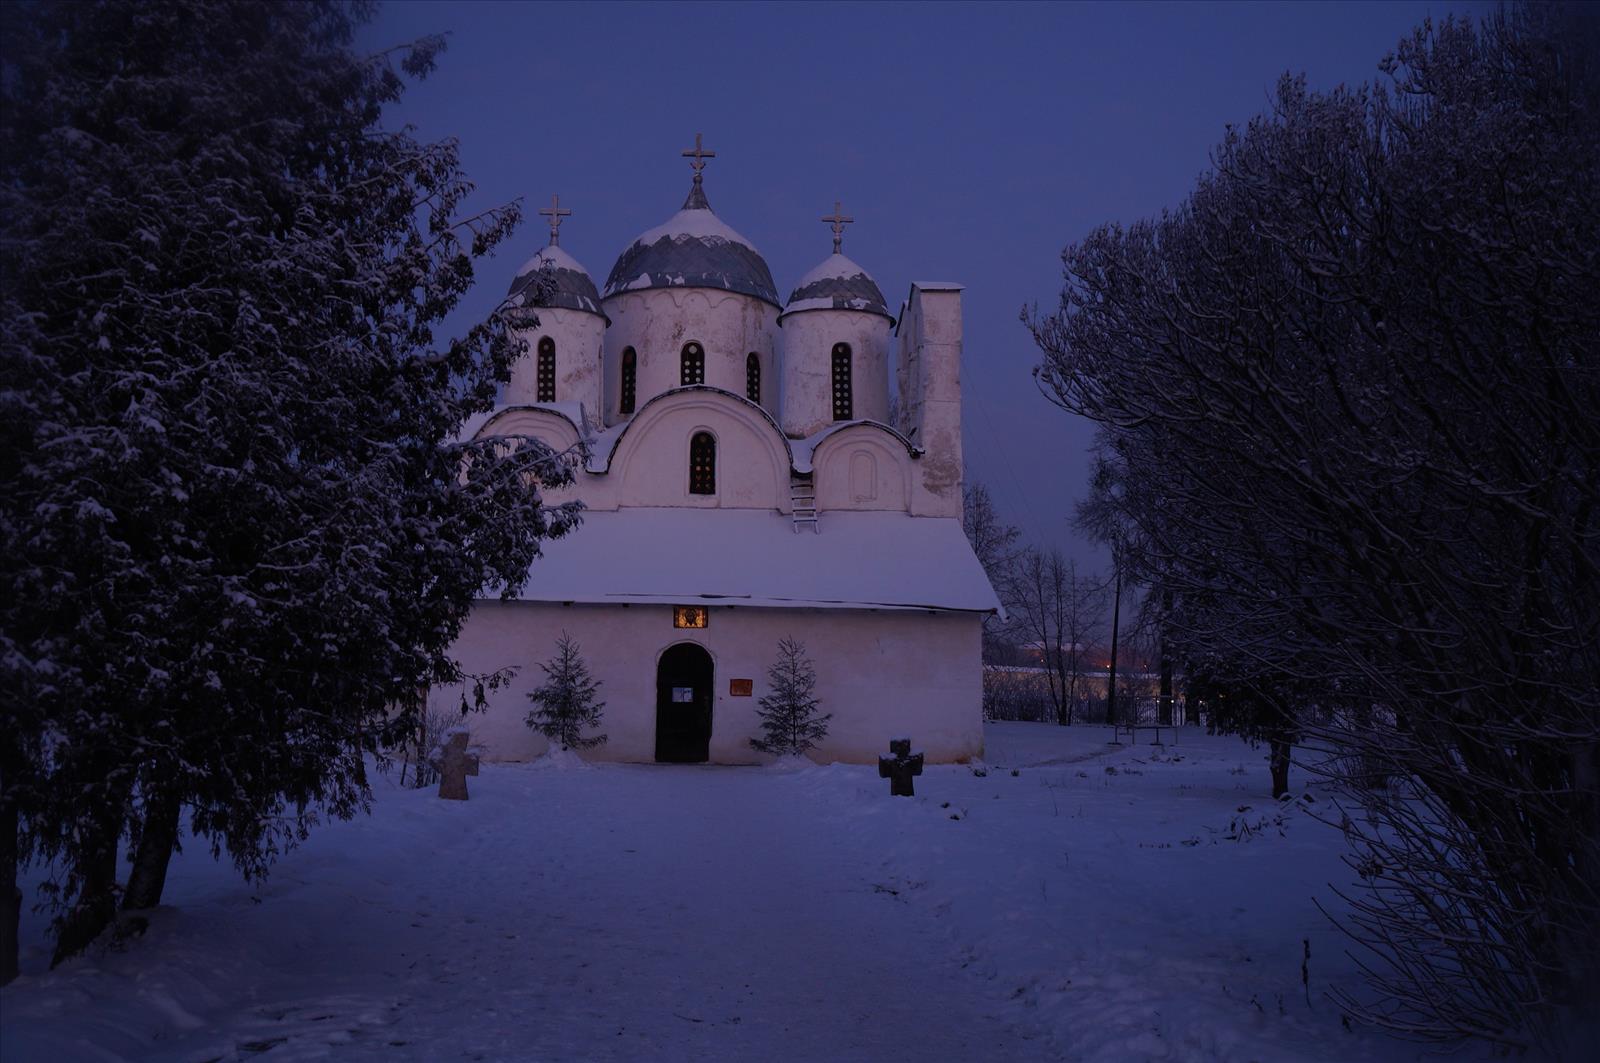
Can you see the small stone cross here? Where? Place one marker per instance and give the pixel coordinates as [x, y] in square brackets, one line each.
[900, 767]
[699, 154]
[555, 212]
[839, 221]
[453, 763]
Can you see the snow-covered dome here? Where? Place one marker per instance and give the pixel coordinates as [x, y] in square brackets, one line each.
[571, 286]
[693, 249]
[837, 284]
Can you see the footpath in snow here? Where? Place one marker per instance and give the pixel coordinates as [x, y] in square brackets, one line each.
[1068, 900]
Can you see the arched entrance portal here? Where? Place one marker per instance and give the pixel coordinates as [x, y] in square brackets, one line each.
[683, 705]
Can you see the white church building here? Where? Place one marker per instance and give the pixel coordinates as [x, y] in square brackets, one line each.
[746, 478]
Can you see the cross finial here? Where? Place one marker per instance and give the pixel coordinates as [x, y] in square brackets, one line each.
[839, 221]
[699, 154]
[555, 212]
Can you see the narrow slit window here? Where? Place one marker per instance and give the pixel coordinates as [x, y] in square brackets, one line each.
[843, 406]
[547, 369]
[752, 378]
[630, 378]
[694, 365]
[702, 464]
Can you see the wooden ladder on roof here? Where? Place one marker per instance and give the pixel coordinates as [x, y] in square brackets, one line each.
[803, 501]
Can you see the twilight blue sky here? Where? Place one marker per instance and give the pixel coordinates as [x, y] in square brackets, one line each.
[971, 143]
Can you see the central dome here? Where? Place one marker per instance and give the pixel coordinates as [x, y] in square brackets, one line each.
[693, 249]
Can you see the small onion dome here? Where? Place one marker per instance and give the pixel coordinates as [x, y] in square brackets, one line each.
[837, 284]
[693, 249]
[571, 287]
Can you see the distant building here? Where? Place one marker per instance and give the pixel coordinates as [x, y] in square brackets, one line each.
[743, 482]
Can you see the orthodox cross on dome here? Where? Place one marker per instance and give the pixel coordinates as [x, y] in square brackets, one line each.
[699, 154]
[555, 212]
[839, 221]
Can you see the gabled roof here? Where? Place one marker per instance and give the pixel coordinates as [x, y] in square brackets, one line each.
[753, 557]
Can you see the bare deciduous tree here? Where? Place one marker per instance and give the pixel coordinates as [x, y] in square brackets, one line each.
[994, 543]
[1348, 395]
[1060, 612]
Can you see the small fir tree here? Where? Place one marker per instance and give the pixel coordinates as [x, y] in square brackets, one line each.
[566, 703]
[789, 720]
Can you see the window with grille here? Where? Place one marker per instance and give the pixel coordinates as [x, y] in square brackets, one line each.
[843, 407]
[547, 369]
[630, 378]
[702, 464]
[752, 377]
[694, 365]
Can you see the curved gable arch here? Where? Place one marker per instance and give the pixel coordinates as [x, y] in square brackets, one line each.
[551, 427]
[862, 466]
[648, 460]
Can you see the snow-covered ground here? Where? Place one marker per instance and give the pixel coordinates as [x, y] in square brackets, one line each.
[1078, 901]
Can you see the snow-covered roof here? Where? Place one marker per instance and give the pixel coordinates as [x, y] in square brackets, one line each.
[751, 557]
[837, 283]
[571, 286]
[693, 249]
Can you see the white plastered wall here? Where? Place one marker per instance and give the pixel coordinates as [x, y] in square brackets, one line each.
[651, 464]
[658, 322]
[579, 338]
[929, 372]
[862, 467]
[881, 674]
[807, 343]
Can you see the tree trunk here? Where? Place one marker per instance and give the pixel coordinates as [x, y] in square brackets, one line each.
[95, 907]
[1072, 685]
[1111, 681]
[10, 896]
[1279, 763]
[157, 840]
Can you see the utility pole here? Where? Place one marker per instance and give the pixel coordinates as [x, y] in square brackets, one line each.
[1116, 622]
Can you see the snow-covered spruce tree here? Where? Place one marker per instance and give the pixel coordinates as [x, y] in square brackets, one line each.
[238, 529]
[790, 723]
[566, 703]
[1348, 393]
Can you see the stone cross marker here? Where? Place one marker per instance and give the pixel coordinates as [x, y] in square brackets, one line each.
[900, 767]
[453, 763]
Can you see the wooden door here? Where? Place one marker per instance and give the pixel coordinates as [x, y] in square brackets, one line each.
[683, 705]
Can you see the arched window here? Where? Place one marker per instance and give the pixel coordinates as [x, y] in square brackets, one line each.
[630, 378]
[843, 407]
[703, 464]
[752, 377]
[694, 365]
[547, 369]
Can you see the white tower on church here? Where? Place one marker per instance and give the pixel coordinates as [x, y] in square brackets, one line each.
[562, 364]
[692, 302]
[835, 345]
